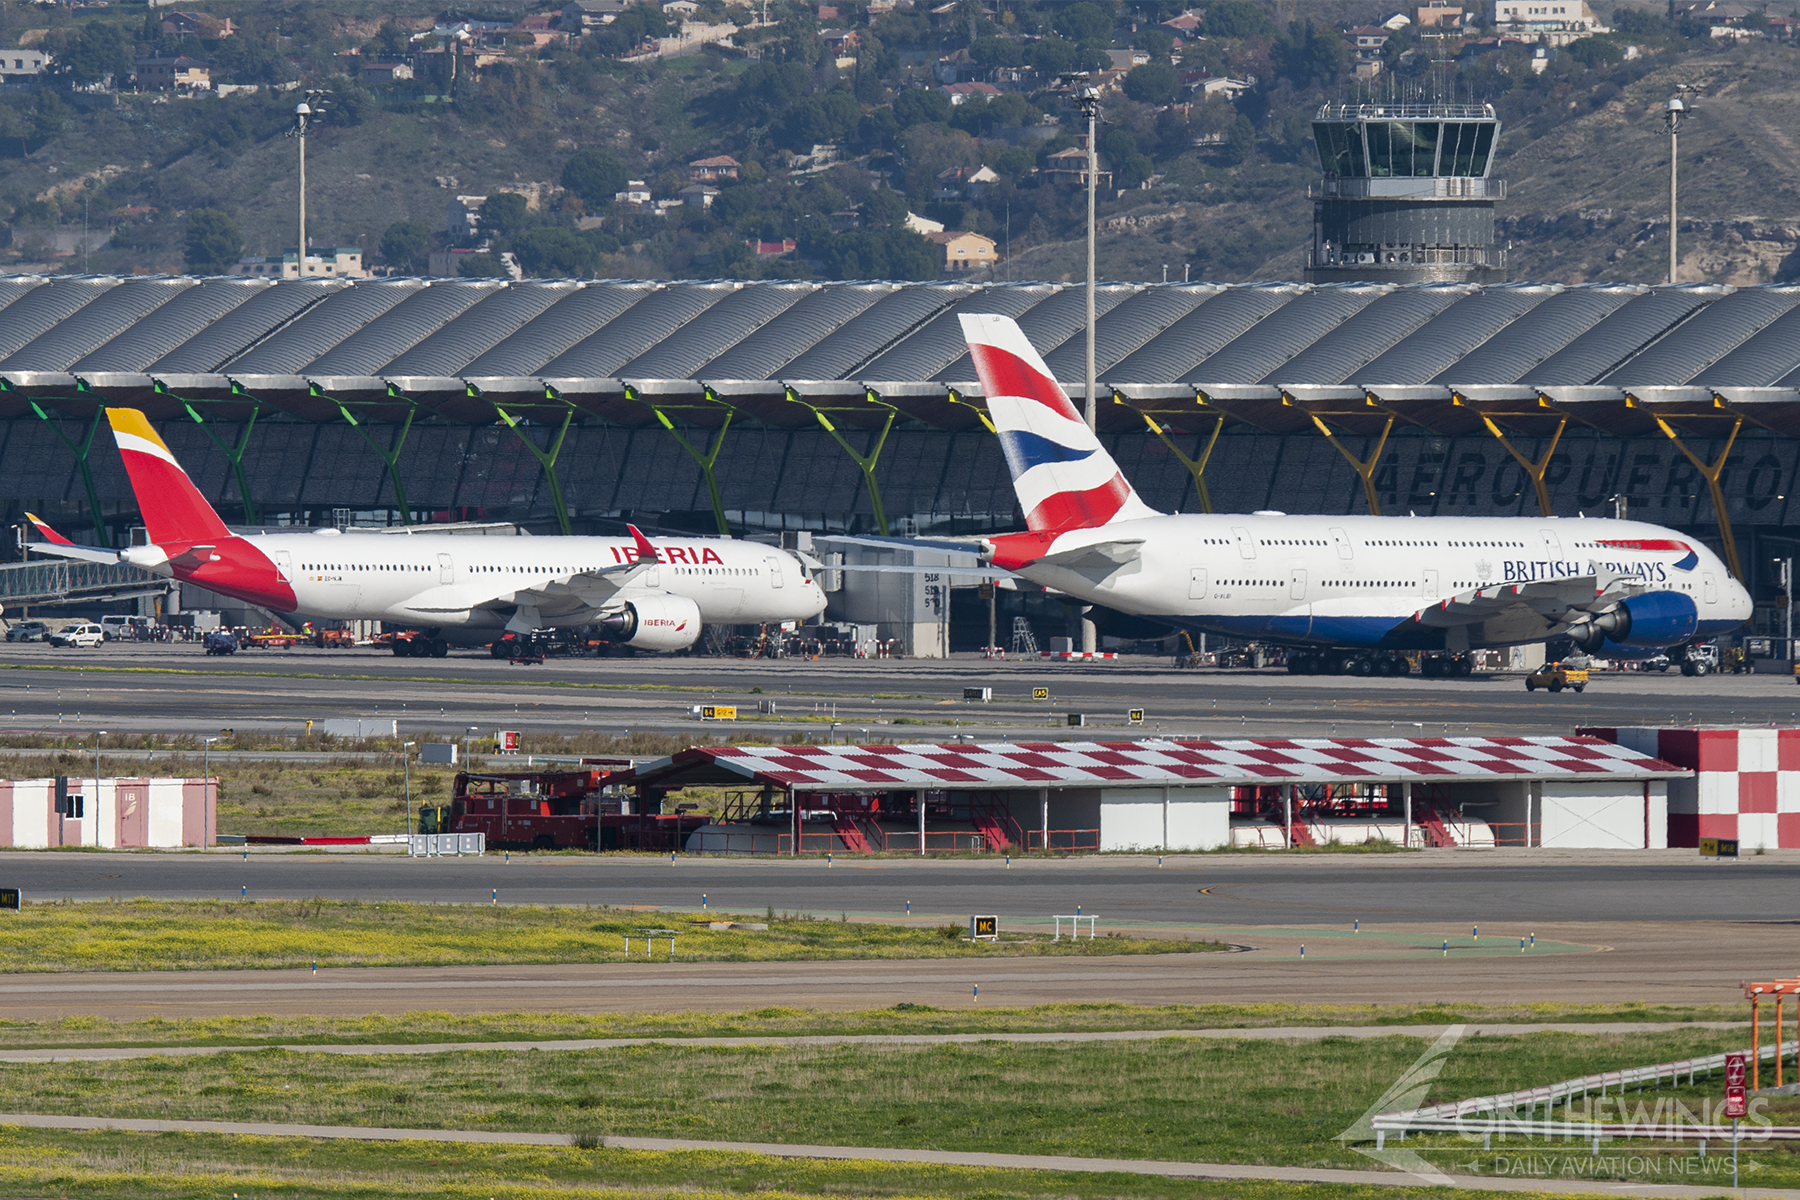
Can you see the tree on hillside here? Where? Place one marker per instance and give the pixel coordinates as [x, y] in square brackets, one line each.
[504, 213]
[213, 242]
[595, 176]
[1152, 83]
[97, 51]
[553, 253]
[407, 246]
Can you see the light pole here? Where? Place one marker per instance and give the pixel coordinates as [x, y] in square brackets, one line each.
[1087, 99]
[1674, 112]
[98, 734]
[406, 778]
[206, 786]
[305, 114]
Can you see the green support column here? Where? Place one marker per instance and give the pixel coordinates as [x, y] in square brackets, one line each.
[234, 453]
[865, 462]
[546, 459]
[707, 459]
[80, 450]
[389, 457]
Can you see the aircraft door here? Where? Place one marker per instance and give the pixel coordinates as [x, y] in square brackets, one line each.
[1430, 578]
[1709, 587]
[1552, 543]
[446, 569]
[1197, 583]
[1245, 543]
[774, 568]
[1341, 540]
[284, 566]
[1297, 584]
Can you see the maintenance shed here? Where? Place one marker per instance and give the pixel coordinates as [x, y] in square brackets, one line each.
[1159, 794]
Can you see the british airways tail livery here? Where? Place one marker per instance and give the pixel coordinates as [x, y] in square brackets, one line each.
[1337, 587]
[463, 589]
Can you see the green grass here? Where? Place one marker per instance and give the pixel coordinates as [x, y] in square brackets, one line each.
[116, 1166]
[417, 1027]
[154, 935]
[1193, 1100]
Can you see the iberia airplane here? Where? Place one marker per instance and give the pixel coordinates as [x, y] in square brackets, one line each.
[466, 589]
[1339, 588]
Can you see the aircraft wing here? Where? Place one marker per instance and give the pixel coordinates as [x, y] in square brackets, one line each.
[58, 546]
[1551, 602]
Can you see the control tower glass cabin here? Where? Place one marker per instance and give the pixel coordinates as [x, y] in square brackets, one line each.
[1407, 196]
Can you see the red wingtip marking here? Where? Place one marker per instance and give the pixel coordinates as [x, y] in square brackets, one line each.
[50, 535]
[645, 551]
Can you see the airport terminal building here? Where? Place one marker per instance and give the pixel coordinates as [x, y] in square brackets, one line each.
[773, 408]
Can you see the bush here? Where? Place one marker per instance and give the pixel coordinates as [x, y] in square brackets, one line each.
[213, 242]
[504, 213]
[922, 106]
[879, 254]
[481, 266]
[406, 245]
[1152, 83]
[553, 253]
[595, 176]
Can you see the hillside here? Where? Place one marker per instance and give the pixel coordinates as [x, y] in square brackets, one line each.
[563, 126]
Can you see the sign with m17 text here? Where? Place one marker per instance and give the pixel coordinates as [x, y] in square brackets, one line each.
[10, 898]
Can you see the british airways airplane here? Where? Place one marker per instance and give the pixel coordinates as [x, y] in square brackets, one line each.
[461, 589]
[1338, 588]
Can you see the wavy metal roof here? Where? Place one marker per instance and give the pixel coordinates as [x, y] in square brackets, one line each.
[1253, 349]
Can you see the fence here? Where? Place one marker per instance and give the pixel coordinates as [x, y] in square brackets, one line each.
[1064, 839]
[829, 841]
[445, 845]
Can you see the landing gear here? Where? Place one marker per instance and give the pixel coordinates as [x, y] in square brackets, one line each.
[1439, 666]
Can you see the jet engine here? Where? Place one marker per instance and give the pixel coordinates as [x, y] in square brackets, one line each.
[1654, 619]
[655, 623]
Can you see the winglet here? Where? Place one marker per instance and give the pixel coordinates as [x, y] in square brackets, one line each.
[645, 551]
[50, 535]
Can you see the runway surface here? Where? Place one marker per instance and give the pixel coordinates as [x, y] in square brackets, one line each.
[1593, 962]
[1425, 891]
[176, 688]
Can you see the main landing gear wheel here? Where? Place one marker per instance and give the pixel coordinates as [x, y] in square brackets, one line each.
[1363, 667]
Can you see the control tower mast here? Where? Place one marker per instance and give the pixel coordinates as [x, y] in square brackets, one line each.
[1407, 196]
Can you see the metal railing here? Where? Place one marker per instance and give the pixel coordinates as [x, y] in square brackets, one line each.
[1064, 839]
[1406, 112]
[1488, 1115]
[47, 582]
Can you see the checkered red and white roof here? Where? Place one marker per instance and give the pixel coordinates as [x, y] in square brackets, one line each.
[1153, 763]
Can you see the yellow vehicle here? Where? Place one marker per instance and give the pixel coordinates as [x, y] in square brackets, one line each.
[1556, 676]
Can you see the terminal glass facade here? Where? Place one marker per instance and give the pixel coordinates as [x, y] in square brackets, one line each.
[1400, 149]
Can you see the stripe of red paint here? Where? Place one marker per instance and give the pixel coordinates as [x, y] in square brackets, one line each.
[1653, 544]
[1080, 510]
[6, 813]
[241, 571]
[173, 508]
[1006, 374]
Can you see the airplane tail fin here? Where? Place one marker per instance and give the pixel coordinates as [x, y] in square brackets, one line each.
[1064, 478]
[173, 508]
[50, 535]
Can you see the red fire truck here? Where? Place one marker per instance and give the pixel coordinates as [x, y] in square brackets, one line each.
[560, 808]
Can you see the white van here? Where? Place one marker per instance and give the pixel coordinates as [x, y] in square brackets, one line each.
[85, 635]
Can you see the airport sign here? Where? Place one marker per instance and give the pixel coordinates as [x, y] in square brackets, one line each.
[1718, 847]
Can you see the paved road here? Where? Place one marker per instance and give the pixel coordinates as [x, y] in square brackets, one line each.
[1429, 891]
[137, 688]
[1686, 963]
[1273, 1033]
[946, 1158]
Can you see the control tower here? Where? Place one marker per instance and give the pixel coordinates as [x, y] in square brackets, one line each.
[1406, 197]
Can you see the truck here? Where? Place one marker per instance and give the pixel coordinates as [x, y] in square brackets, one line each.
[558, 808]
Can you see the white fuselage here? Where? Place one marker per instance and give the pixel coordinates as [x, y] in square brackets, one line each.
[451, 582]
[1349, 580]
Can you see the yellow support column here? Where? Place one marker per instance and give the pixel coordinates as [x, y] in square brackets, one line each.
[1195, 466]
[1365, 471]
[1534, 469]
[1711, 472]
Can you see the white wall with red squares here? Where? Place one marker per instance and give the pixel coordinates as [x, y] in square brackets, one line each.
[1746, 782]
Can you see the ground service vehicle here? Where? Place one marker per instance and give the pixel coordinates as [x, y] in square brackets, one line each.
[220, 641]
[86, 636]
[28, 631]
[558, 809]
[1556, 676]
[1700, 660]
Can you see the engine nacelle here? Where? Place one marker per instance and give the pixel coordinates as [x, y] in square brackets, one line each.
[1652, 620]
[655, 623]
